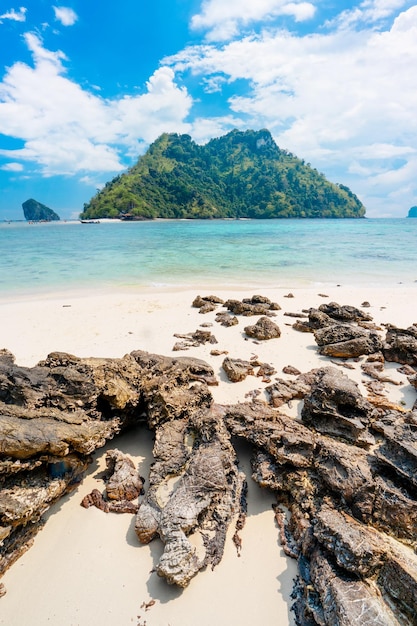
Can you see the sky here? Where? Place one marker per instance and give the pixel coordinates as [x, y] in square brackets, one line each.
[86, 86]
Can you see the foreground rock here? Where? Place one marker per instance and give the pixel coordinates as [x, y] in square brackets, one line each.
[346, 471]
[401, 345]
[346, 341]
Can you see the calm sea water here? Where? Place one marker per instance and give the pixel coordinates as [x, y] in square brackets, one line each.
[279, 253]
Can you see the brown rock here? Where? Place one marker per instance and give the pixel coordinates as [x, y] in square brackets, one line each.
[225, 319]
[193, 340]
[257, 305]
[345, 313]
[401, 345]
[346, 341]
[124, 482]
[237, 369]
[355, 547]
[263, 329]
[336, 407]
[347, 600]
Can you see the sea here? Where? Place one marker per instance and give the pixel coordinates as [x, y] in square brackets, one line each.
[40, 258]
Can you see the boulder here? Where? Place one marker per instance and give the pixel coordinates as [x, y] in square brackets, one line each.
[257, 305]
[263, 329]
[401, 345]
[344, 313]
[336, 407]
[346, 341]
[124, 481]
[237, 370]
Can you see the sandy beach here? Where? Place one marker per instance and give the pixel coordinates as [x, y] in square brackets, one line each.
[86, 567]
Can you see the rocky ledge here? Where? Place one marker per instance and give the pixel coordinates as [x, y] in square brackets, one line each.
[344, 472]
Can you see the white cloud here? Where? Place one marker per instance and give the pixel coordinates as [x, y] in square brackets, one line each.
[65, 15]
[67, 129]
[369, 11]
[16, 16]
[12, 167]
[336, 99]
[222, 19]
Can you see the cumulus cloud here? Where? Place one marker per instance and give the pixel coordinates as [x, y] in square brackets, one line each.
[65, 15]
[223, 19]
[335, 98]
[368, 12]
[67, 129]
[16, 16]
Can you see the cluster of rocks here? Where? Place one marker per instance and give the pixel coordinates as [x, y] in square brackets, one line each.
[345, 471]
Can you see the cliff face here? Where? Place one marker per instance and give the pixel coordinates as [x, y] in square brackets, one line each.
[34, 211]
[242, 174]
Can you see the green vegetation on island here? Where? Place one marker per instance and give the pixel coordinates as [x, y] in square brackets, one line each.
[35, 211]
[239, 175]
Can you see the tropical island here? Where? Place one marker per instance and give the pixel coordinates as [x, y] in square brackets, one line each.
[35, 211]
[412, 212]
[239, 175]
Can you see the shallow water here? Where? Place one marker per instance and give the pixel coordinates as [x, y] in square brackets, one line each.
[219, 253]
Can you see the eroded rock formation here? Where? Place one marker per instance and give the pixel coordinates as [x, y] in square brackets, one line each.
[345, 470]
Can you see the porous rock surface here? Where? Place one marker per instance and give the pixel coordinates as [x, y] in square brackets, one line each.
[345, 470]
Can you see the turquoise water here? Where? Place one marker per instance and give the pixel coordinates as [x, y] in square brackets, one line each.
[279, 253]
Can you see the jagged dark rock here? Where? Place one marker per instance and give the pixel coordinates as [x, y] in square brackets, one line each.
[346, 471]
[124, 481]
[344, 313]
[316, 319]
[401, 345]
[206, 304]
[257, 305]
[282, 391]
[336, 407]
[346, 341]
[204, 494]
[237, 369]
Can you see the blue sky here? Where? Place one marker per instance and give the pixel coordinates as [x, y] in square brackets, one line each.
[86, 86]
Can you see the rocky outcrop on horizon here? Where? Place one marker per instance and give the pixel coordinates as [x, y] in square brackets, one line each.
[35, 211]
[345, 470]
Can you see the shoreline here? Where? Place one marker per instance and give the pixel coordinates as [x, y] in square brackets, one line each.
[112, 322]
[89, 564]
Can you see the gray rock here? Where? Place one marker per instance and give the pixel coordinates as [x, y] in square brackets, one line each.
[336, 407]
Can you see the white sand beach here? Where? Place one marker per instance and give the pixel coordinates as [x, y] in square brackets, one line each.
[86, 567]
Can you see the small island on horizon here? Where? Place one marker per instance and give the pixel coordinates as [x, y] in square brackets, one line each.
[412, 212]
[35, 211]
[239, 175]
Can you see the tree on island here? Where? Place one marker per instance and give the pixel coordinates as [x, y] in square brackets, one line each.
[34, 211]
[239, 175]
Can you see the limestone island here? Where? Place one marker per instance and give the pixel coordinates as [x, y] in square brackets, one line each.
[239, 175]
[412, 212]
[35, 211]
